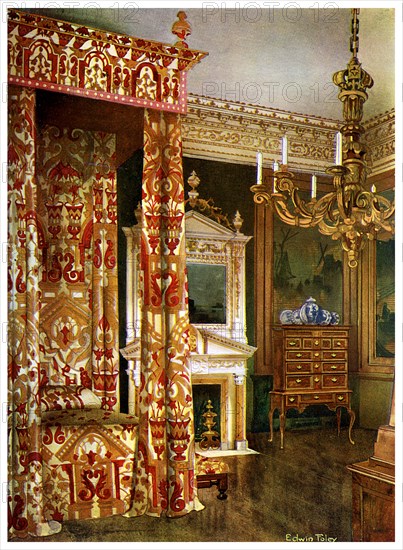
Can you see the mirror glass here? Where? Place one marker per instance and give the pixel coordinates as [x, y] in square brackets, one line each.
[206, 293]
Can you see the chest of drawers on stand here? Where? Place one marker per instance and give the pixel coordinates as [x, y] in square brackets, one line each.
[310, 368]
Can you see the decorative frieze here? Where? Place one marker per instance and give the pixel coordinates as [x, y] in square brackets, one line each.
[380, 141]
[223, 365]
[233, 132]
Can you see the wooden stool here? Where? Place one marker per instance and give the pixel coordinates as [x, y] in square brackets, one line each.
[208, 480]
[212, 471]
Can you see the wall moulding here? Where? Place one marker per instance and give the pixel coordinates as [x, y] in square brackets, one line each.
[380, 140]
[234, 132]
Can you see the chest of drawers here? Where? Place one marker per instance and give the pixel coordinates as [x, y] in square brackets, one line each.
[310, 367]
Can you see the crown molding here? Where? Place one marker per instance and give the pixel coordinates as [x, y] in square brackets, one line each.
[379, 138]
[228, 131]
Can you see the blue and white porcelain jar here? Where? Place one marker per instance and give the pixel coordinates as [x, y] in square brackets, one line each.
[310, 313]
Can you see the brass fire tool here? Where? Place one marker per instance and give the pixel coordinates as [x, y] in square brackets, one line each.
[211, 438]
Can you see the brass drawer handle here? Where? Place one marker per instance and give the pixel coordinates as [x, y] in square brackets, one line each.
[299, 355]
[298, 380]
[293, 343]
[316, 366]
[299, 367]
[316, 379]
[316, 354]
[316, 342]
[333, 367]
[292, 399]
[338, 343]
[340, 397]
[334, 379]
[334, 355]
[316, 396]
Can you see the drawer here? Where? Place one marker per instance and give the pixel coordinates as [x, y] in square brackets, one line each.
[317, 398]
[317, 343]
[299, 366]
[298, 355]
[342, 398]
[307, 343]
[335, 354]
[326, 343]
[292, 342]
[317, 382]
[292, 400]
[334, 367]
[293, 382]
[339, 343]
[335, 381]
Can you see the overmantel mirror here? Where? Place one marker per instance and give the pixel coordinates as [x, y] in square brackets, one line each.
[215, 257]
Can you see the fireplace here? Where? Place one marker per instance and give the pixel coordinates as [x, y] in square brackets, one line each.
[215, 256]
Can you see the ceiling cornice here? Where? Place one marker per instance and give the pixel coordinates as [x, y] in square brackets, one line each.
[233, 132]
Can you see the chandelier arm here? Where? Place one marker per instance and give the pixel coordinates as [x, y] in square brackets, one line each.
[304, 208]
[279, 205]
[344, 203]
[326, 229]
[324, 207]
[374, 211]
[261, 193]
[388, 208]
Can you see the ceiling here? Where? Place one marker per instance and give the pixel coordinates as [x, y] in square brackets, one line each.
[278, 58]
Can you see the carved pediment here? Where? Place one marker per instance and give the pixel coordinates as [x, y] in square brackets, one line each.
[198, 225]
[211, 344]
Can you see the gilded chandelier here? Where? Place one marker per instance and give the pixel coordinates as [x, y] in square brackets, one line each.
[351, 212]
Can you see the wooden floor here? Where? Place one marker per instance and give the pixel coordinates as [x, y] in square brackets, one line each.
[302, 491]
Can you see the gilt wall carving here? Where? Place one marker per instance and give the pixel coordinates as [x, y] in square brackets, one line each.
[233, 132]
[380, 140]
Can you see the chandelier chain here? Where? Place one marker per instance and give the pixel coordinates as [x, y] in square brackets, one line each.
[355, 26]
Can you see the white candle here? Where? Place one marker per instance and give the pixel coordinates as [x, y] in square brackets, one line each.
[284, 150]
[339, 151]
[373, 188]
[313, 189]
[259, 161]
[275, 168]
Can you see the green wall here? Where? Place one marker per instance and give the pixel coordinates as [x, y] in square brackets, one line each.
[374, 394]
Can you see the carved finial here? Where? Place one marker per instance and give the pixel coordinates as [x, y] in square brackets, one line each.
[182, 29]
[193, 181]
[238, 221]
[138, 213]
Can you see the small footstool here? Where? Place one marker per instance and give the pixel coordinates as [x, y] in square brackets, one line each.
[212, 471]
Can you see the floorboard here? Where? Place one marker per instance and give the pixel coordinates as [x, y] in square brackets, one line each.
[301, 491]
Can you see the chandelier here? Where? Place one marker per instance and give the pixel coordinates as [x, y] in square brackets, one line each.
[351, 212]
